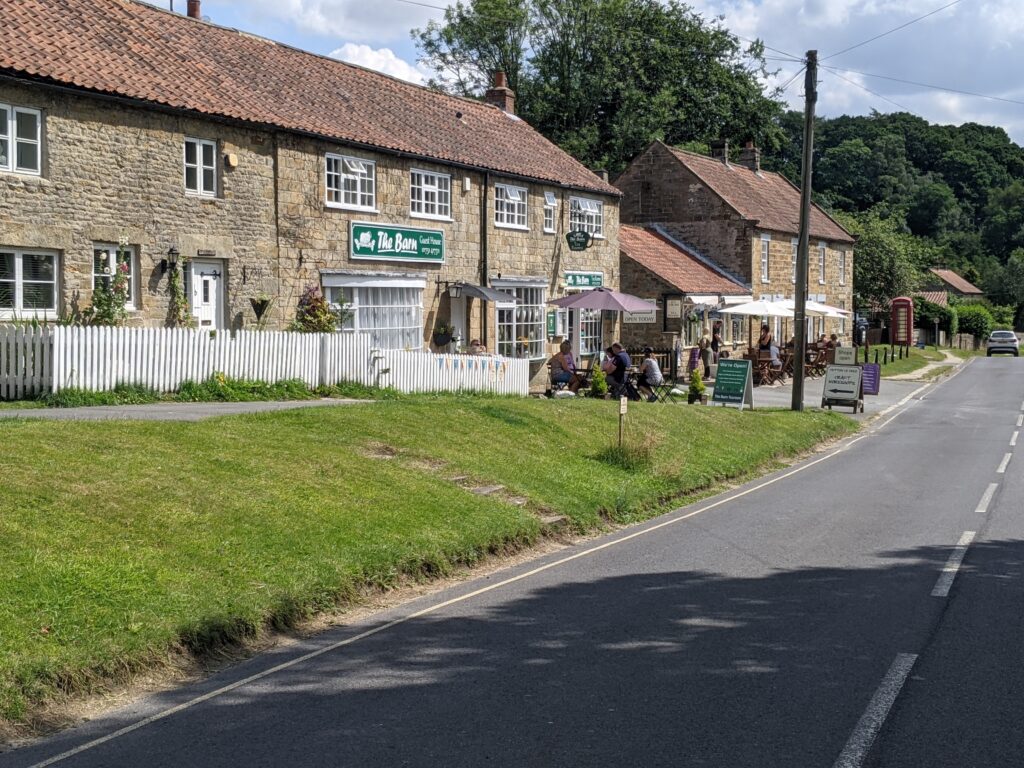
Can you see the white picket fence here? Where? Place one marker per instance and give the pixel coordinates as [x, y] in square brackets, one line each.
[26, 362]
[33, 361]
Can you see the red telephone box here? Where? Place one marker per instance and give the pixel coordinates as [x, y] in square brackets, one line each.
[902, 329]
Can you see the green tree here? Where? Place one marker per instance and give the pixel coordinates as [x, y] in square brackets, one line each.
[888, 260]
[1003, 230]
[604, 78]
[933, 209]
[975, 319]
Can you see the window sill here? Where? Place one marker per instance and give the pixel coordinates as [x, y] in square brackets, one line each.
[427, 217]
[353, 208]
[202, 197]
[23, 175]
[514, 227]
[550, 232]
[28, 315]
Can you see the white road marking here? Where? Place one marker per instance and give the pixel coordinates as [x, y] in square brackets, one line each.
[1013, 440]
[952, 565]
[870, 723]
[1020, 420]
[906, 399]
[429, 610]
[986, 499]
[1003, 463]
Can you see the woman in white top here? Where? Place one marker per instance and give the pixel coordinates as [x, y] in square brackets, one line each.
[650, 375]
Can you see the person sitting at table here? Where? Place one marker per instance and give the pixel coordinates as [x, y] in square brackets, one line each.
[822, 342]
[764, 342]
[834, 342]
[776, 362]
[476, 348]
[563, 368]
[619, 365]
[650, 376]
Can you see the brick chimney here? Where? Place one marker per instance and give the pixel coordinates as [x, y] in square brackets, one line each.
[720, 150]
[501, 96]
[194, 11]
[750, 157]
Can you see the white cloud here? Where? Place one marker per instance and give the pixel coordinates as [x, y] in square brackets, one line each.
[373, 22]
[971, 46]
[379, 59]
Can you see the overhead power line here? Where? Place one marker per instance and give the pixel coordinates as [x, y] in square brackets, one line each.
[868, 90]
[927, 85]
[792, 79]
[894, 29]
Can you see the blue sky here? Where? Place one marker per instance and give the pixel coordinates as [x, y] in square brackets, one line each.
[971, 46]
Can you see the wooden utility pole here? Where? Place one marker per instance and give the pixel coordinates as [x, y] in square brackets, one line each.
[802, 256]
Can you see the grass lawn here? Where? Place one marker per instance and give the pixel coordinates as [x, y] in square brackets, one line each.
[917, 359]
[123, 541]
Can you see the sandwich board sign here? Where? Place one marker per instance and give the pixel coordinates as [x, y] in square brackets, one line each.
[734, 383]
[843, 386]
[871, 375]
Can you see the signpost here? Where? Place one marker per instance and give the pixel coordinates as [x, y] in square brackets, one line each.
[383, 242]
[623, 407]
[843, 387]
[734, 383]
[647, 316]
[871, 377]
[578, 240]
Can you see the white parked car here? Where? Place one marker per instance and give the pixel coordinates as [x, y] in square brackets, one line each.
[1004, 342]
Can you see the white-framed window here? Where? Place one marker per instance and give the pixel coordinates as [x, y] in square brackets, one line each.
[842, 266]
[795, 244]
[550, 212]
[21, 140]
[521, 327]
[201, 167]
[587, 215]
[766, 246]
[821, 263]
[28, 283]
[430, 195]
[590, 332]
[389, 308]
[108, 258]
[510, 206]
[351, 183]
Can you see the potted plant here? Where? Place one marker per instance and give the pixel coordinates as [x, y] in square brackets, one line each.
[260, 304]
[697, 391]
[598, 384]
[443, 333]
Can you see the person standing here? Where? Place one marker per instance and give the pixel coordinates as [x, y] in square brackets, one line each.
[705, 351]
[716, 341]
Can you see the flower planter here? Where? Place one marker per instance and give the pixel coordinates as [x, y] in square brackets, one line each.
[259, 307]
[442, 339]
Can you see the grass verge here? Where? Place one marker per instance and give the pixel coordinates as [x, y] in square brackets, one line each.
[914, 361]
[124, 542]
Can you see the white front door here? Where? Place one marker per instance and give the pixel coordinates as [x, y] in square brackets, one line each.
[207, 278]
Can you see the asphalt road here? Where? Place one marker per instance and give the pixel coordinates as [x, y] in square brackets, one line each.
[823, 616]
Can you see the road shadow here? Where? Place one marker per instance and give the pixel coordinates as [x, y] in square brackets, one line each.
[678, 668]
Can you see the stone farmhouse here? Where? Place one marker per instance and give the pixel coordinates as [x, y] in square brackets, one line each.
[745, 220]
[257, 170]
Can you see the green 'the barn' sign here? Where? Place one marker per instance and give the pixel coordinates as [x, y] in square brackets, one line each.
[383, 242]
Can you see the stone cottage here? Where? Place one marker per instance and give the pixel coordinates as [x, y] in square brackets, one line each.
[746, 220]
[133, 135]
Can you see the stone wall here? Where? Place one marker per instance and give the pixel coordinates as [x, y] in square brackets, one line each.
[112, 171]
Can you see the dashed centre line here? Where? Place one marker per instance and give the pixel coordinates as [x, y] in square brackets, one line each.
[952, 565]
[1013, 440]
[1020, 420]
[1003, 463]
[986, 498]
[870, 723]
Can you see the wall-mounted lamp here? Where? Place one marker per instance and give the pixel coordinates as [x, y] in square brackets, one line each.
[171, 262]
[455, 290]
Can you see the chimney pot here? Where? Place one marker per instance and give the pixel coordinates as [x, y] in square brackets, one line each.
[720, 150]
[501, 96]
[194, 11]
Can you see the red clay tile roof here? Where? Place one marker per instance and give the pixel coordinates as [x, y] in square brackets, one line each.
[766, 197]
[673, 264]
[952, 279]
[935, 297]
[136, 51]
